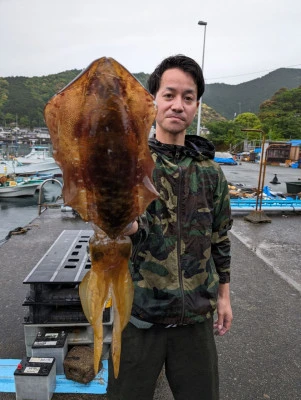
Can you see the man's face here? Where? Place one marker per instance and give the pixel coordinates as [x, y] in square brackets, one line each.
[177, 102]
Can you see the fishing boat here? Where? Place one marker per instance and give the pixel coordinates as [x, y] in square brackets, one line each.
[37, 155]
[19, 188]
[38, 160]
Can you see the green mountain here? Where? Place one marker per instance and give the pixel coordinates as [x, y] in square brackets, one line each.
[23, 99]
[230, 100]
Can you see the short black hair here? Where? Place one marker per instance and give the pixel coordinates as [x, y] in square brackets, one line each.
[182, 62]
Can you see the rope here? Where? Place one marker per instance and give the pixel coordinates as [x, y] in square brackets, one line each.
[17, 231]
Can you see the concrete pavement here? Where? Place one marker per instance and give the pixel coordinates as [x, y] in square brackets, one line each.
[247, 174]
[259, 358]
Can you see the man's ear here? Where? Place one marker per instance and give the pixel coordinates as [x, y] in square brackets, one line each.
[197, 108]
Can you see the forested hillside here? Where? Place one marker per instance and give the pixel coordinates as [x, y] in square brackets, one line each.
[22, 99]
[279, 117]
[230, 100]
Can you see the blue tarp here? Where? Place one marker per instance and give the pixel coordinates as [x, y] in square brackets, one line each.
[63, 385]
[270, 204]
[224, 158]
[295, 142]
[229, 161]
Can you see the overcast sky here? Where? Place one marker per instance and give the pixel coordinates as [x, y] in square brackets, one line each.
[244, 39]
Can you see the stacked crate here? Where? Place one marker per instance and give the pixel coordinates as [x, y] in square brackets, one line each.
[53, 299]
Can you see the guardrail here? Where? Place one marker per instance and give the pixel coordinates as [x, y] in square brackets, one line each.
[46, 205]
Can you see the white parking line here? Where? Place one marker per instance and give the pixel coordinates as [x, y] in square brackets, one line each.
[257, 251]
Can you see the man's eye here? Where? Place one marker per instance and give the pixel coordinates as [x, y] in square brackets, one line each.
[168, 95]
[189, 98]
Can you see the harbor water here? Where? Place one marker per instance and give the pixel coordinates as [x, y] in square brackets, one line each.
[20, 211]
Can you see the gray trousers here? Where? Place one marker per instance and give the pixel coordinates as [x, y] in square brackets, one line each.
[188, 353]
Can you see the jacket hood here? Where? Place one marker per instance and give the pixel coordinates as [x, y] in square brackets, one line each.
[195, 146]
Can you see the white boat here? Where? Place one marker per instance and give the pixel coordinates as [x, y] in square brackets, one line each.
[18, 189]
[38, 160]
[37, 155]
[4, 133]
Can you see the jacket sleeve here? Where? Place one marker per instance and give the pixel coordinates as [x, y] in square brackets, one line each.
[141, 235]
[222, 223]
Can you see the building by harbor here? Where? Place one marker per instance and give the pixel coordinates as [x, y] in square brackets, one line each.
[16, 142]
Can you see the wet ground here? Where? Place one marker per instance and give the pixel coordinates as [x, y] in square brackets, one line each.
[247, 174]
[277, 243]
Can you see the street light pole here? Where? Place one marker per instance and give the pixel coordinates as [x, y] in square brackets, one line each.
[203, 23]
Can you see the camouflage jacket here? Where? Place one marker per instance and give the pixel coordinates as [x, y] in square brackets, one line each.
[181, 251]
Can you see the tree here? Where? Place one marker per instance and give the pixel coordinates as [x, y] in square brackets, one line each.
[248, 120]
[24, 122]
[224, 134]
[9, 118]
[3, 97]
[281, 115]
[3, 92]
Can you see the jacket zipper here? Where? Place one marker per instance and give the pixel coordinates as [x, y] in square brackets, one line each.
[135, 253]
[179, 240]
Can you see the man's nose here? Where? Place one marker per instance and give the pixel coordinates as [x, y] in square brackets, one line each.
[177, 104]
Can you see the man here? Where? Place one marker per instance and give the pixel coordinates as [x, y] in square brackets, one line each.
[181, 254]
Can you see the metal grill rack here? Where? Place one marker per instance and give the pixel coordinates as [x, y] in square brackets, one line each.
[53, 299]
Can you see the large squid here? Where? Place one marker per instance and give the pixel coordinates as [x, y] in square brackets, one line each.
[99, 125]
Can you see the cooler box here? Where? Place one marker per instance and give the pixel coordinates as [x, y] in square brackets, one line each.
[293, 187]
